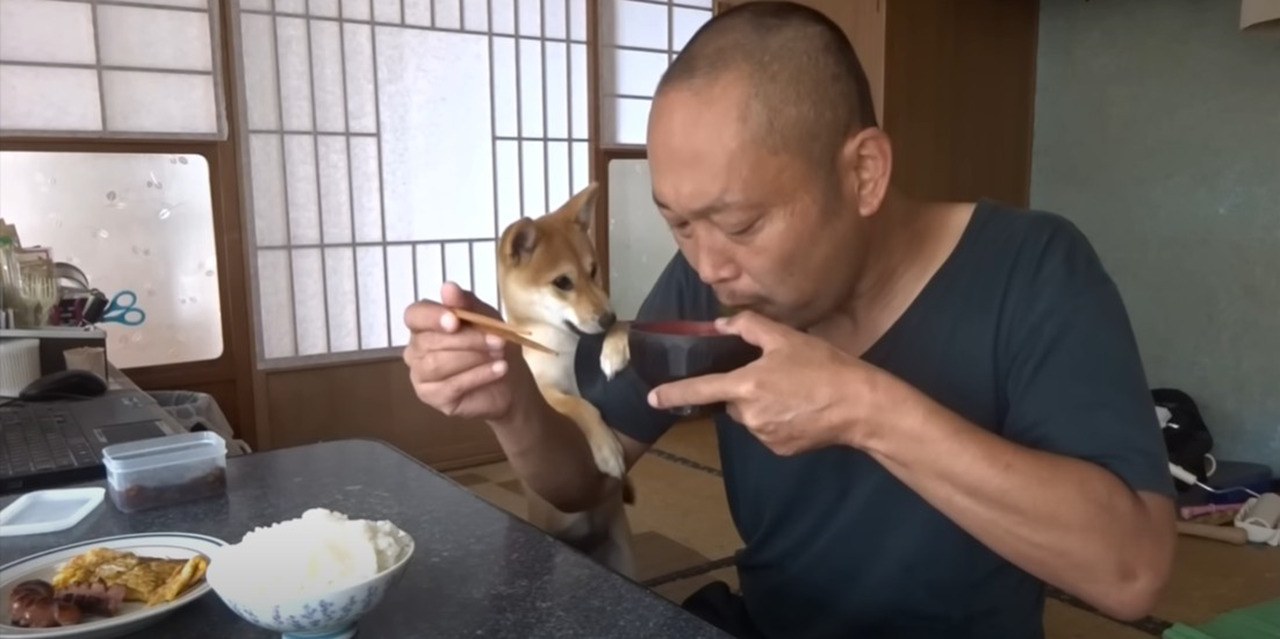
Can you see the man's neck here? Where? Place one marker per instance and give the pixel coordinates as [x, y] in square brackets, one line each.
[907, 243]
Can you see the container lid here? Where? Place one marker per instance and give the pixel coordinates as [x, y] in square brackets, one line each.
[45, 511]
[163, 451]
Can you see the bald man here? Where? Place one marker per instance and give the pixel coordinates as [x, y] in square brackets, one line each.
[950, 410]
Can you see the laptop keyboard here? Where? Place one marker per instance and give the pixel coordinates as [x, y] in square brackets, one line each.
[38, 438]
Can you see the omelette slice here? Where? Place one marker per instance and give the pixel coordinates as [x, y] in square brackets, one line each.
[189, 574]
[146, 579]
[97, 564]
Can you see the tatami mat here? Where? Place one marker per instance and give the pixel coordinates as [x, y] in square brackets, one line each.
[684, 538]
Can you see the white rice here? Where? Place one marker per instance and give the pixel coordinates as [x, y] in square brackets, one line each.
[317, 553]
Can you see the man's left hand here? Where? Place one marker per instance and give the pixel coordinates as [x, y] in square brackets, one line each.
[802, 394]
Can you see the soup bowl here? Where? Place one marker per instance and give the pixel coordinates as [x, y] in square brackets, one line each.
[668, 351]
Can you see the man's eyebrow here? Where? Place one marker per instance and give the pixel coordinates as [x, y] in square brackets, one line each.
[705, 211]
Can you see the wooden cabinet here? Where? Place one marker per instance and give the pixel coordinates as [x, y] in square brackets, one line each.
[954, 86]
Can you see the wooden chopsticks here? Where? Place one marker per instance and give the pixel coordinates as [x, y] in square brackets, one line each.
[486, 324]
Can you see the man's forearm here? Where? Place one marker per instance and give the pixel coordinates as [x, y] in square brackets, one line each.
[1067, 521]
[550, 454]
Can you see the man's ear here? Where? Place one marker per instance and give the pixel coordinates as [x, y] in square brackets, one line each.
[866, 164]
[582, 207]
[522, 238]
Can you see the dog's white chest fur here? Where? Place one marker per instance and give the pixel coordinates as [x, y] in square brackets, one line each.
[555, 371]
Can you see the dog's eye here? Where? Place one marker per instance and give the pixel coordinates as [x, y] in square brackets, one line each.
[595, 268]
[563, 283]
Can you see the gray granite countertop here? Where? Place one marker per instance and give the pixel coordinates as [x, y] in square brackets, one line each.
[477, 571]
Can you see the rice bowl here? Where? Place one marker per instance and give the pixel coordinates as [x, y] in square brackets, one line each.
[317, 574]
[319, 552]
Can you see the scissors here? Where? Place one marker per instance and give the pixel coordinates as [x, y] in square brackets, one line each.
[124, 312]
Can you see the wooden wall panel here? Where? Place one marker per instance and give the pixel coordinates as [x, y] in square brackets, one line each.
[369, 399]
[959, 86]
[954, 86]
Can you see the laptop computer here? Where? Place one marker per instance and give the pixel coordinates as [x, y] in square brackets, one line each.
[49, 444]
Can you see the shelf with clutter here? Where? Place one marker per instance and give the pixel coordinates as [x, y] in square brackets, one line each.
[36, 291]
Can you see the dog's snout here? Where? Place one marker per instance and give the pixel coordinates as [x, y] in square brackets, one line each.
[607, 320]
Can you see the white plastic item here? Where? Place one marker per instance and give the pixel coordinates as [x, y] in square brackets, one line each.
[19, 365]
[1183, 474]
[46, 511]
[1260, 519]
[1188, 477]
[160, 471]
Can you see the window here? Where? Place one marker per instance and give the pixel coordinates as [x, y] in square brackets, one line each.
[108, 71]
[389, 143]
[141, 222]
[640, 244]
[638, 40]
[142, 68]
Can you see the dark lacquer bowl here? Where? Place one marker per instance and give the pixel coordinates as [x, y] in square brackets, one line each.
[663, 352]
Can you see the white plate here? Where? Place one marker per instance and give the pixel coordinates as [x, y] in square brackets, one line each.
[45, 511]
[133, 616]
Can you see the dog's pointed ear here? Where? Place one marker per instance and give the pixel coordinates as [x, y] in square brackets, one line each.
[521, 239]
[582, 206]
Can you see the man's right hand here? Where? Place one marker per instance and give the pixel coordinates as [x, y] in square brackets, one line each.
[455, 368]
[462, 372]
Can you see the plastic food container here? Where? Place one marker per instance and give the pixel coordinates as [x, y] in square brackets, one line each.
[161, 471]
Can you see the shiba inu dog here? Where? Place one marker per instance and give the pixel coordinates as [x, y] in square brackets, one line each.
[551, 290]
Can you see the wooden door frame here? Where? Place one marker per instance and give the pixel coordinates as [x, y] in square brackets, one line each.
[601, 154]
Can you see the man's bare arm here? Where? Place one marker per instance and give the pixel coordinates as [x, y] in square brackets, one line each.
[1069, 522]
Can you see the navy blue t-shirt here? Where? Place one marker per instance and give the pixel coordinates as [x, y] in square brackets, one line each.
[1022, 332]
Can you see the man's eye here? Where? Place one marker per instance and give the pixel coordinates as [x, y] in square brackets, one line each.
[744, 230]
[563, 283]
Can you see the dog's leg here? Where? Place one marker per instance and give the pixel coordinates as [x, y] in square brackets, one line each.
[616, 353]
[615, 356]
[605, 447]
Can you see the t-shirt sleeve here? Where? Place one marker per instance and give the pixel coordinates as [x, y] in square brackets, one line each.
[622, 401]
[1075, 384]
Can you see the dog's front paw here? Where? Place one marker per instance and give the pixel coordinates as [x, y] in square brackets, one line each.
[608, 454]
[615, 354]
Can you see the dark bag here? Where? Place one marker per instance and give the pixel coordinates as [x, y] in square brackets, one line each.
[1190, 440]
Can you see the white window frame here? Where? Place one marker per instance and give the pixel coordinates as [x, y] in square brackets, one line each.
[578, 165]
[213, 10]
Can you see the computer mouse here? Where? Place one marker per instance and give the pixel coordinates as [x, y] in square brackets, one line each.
[68, 384]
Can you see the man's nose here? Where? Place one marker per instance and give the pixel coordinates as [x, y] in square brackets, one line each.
[713, 266]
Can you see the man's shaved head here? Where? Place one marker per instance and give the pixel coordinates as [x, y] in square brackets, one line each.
[765, 162]
[808, 92]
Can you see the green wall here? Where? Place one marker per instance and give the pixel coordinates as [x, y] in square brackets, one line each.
[1158, 132]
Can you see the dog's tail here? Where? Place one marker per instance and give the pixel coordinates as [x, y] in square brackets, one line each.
[628, 491]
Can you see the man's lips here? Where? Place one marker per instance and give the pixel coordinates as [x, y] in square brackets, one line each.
[736, 303]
